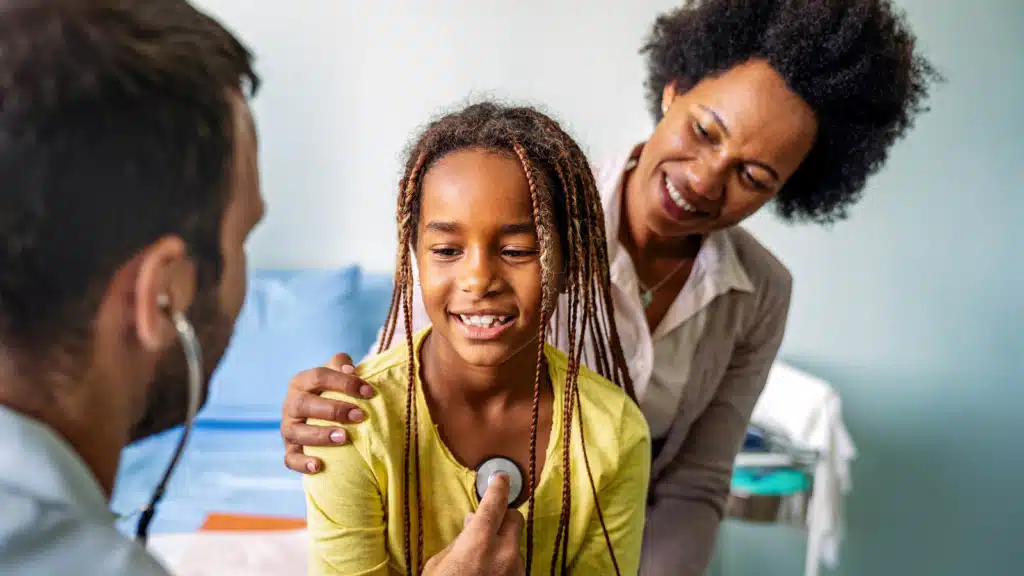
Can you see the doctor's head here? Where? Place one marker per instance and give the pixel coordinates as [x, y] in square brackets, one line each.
[129, 185]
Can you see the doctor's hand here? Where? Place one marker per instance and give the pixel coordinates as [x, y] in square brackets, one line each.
[303, 401]
[489, 542]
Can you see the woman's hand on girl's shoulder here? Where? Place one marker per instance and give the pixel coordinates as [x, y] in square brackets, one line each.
[303, 401]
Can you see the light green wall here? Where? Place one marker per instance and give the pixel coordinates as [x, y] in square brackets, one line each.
[913, 309]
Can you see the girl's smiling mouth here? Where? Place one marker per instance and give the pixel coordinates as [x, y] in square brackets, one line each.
[483, 324]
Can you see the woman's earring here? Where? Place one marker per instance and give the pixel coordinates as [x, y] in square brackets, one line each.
[664, 109]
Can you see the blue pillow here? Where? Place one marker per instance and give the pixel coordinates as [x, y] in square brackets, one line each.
[291, 321]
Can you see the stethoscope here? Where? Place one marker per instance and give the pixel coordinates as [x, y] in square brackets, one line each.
[490, 468]
[194, 359]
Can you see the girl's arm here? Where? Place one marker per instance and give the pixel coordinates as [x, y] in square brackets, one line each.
[345, 513]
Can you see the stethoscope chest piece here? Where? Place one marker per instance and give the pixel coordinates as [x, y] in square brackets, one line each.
[486, 471]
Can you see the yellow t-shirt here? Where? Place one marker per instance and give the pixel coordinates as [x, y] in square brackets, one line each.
[355, 505]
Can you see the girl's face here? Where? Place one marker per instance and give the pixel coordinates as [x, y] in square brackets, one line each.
[722, 150]
[478, 256]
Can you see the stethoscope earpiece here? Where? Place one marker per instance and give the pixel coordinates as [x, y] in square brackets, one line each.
[489, 468]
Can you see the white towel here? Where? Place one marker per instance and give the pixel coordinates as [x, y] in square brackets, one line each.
[255, 553]
[807, 411]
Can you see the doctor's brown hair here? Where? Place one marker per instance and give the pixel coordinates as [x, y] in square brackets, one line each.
[565, 201]
[116, 129]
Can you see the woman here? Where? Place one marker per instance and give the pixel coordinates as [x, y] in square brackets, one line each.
[754, 100]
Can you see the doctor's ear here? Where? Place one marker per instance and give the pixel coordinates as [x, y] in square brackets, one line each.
[165, 284]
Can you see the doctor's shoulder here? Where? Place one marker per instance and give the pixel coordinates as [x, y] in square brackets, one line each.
[38, 537]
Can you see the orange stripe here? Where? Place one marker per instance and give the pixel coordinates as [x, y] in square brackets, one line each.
[242, 522]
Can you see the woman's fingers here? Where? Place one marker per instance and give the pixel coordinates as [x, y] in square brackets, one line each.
[301, 434]
[295, 460]
[304, 401]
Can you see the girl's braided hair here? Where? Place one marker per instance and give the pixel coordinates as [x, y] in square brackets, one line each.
[566, 206]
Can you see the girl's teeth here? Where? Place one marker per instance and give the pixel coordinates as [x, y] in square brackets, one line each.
[677, 197]
[485, 321]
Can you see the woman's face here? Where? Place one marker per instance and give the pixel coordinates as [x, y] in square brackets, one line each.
[721, 151]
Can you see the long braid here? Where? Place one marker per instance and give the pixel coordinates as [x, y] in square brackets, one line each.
[603, 280]
[410, 425]
[601, 355]
[574, 350]
[528, 169]
[594, 264]
[563, 521]
[567, 416]
[406, 512]
[594, 260]
[406, 230]
[388, 333]
[572, 282]
[572, 388]
[572, 225]
[593, 488]
[533, 446]
[578, 259]
[600, 323]
[402, 296]
[592, 214]
[389, 323]
[598, 280]
[571, 279]
[413, 422]
[404, 464]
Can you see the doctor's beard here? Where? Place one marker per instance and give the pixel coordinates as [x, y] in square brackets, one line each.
[167, 401]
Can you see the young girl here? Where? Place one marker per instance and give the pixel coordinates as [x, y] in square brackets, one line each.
[503, 214]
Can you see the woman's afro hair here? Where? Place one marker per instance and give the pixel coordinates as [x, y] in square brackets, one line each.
[855, 62]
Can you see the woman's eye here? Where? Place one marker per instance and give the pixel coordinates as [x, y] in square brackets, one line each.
[752, 181]
[701, 131]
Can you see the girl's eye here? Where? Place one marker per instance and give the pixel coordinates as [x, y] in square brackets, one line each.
[519, 253]
[445, 252]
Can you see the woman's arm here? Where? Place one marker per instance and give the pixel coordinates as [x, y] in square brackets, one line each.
[344, 512]
[623, 502]
[688, 500]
